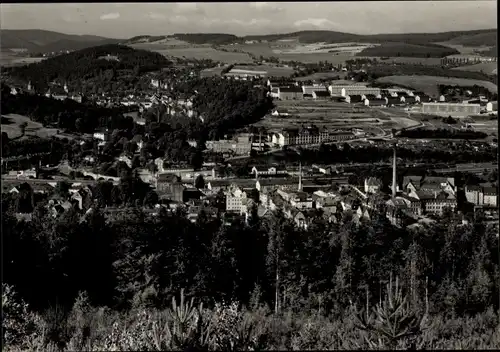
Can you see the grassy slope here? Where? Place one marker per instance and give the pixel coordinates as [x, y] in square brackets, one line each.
[428, 84]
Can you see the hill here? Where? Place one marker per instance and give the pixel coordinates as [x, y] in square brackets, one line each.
[90, 62]
[470, 37]
[408, 50]
[477, 39]
[41, 41]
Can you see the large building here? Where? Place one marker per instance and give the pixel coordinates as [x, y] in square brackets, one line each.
[307, 136]
[290, 93]
[343, 90]
[451, 109]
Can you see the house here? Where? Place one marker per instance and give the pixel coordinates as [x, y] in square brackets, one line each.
[435, 202]
[236, 200]
[280, 112]
[290, 93]
[125, 159]
[268, 171]
[480, 195]
[104, 136]
[321, 95]
[376, 102]
[372, 185]
[429, 183]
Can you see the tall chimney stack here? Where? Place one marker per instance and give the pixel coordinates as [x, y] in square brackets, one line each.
[300, 176]
[394, 174]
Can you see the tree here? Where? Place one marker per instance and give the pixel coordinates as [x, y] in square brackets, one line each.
[151, 198]
[22, 127]
[199, 182]
[62, 189]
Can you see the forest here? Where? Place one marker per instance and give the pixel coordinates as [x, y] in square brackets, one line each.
[112, 281]
[408, 50]
[67, 114]
[88, 63]
[442, 133]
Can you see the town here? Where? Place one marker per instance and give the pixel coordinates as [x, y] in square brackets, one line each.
[257, 192]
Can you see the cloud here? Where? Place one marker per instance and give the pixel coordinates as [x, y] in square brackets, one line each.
[110, 16]
[156, 16]
[188, 8]
[266, 7]
[315, 22]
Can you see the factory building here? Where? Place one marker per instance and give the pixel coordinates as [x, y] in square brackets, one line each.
[342, 90]
[451, 109]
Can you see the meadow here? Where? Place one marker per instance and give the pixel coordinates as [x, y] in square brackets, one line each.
[486, 67]
[336, 115]
[429, 84]
[11, 124]
[10, 59]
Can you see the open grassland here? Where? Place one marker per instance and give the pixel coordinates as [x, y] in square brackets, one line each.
[336, 115]
[486, 67]
[271, 70]
[181, 49]
[426, 61]
[11, 124]
[292, 51]
[11, 59]
[322, 75]
[428, 84]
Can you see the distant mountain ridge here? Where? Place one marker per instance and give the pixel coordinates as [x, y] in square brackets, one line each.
[35, 40]
[486, 37]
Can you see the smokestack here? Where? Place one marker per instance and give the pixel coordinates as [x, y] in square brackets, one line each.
[394, 174]
[300, 176]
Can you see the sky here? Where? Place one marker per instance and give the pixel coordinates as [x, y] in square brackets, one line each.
[115, 20]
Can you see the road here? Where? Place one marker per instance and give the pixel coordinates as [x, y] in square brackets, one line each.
[6, 179]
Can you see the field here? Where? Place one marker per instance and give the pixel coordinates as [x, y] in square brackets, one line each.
[336, 115]
[467, 50]
[292, 51]
[428, 84]
[486, 67]
[428, 61]
[480, 123]
[11, 125]
[322, 75]
[406, 49]
[12, 59]
[182, 49]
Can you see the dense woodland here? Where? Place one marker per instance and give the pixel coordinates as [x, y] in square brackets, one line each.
[66, 114]
[442, 133]
[134, 264]
[408, 50]
[89, 62]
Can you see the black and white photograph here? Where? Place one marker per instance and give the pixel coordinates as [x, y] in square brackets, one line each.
[246, 176]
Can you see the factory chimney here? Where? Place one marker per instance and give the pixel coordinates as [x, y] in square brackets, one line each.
[300, 176]
[394, 174]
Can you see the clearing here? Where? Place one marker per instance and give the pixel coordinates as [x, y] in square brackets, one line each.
[177, 48]
[429, 84]
[489, 68]
[334, 115]
[11, 125]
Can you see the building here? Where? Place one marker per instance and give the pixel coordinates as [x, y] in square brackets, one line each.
[321, 95]
[308, 136]
[376, 102]
[236, 200]
[104, 136]
[429, 183]
[268, 171]
[169, 186]
[345, 90]
[290, 93]
[480, 195]
[435, 202]
[315, 87]
[372, 185]
[451, 109]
